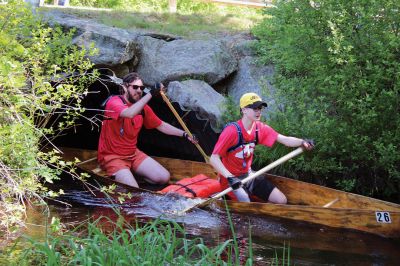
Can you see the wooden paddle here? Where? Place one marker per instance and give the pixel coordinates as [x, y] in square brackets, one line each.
[247, 179]
[168, 102]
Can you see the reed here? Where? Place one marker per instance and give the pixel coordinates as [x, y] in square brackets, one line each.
[116, 241]
[284, 258]
[106, 242]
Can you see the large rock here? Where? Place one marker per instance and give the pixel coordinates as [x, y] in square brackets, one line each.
[240, 44]
[226, 63]
[251, 77]
[115, 46]
[163, 61]
[198, 96]
[113, 50]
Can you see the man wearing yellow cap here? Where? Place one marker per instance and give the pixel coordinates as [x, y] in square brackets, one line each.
[233, 153]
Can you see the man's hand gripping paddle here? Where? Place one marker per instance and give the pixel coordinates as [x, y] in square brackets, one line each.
[247, 179]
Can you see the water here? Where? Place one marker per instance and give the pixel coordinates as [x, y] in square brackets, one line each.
[309, 244]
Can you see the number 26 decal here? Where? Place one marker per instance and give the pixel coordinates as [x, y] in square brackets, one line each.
[383, 217]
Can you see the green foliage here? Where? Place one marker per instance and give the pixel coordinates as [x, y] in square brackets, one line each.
[155, 243]
[192, 16]
[232, 111]
[190, 6]
[337, 73]
[43, 77]
[98, 3]
[283, 259]
[183, 6]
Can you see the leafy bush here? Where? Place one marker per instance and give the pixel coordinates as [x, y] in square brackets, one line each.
[98, 3]
[183, 6]
[337, 74]
[231, 113]
[190, 6]
[108, 242]
[42, 77]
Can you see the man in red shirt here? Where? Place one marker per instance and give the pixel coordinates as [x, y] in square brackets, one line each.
[233, 153]
[125, 115]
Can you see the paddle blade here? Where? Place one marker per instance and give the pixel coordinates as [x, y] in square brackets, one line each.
[198, 205]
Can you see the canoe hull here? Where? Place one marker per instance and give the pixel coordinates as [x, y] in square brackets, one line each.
[371, 221]
[306, 202]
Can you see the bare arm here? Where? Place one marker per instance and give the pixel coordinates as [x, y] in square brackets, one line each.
[215, 161]
[170, 130]
[173, 131]
[289, 141]
[294, 142]
[136, 108]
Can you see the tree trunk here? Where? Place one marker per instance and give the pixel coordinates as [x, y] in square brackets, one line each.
[172, 5]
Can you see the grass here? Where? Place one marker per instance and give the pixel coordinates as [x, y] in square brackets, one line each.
[212, 19]
[284, 258]
[114, 241]
[155, 243]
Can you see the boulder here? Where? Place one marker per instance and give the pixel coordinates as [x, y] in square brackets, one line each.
[162, 61]
[251, 77]
[116, 47]
[198, 96]
[197, 71]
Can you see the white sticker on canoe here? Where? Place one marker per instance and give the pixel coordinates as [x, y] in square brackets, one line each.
[383, 217]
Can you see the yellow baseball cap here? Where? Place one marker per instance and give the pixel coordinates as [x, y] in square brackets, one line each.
[251, 100]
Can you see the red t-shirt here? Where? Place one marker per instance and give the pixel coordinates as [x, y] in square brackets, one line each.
[234, 160]
[119, 135]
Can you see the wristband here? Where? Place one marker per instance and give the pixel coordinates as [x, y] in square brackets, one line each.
[155, 91]
[234, 182]
[309, 142]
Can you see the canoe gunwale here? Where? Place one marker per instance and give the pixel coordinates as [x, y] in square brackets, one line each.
[360, 219]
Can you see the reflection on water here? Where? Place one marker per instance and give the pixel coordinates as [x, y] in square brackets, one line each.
[309, 244]
[148, 206]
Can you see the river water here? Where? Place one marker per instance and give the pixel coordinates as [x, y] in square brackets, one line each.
[309, 244]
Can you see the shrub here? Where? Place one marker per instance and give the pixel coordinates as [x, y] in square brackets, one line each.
[184, 6]
[41, 76]
[337, 73]
[109, 242]
[98, 3]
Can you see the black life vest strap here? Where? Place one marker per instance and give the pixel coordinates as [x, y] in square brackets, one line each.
[103, 104]
[240, 136]
[187, 188]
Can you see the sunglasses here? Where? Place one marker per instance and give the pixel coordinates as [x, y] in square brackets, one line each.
[135, 87]
[260, 108]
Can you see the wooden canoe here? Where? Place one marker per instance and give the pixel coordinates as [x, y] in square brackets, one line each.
[306, 202]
